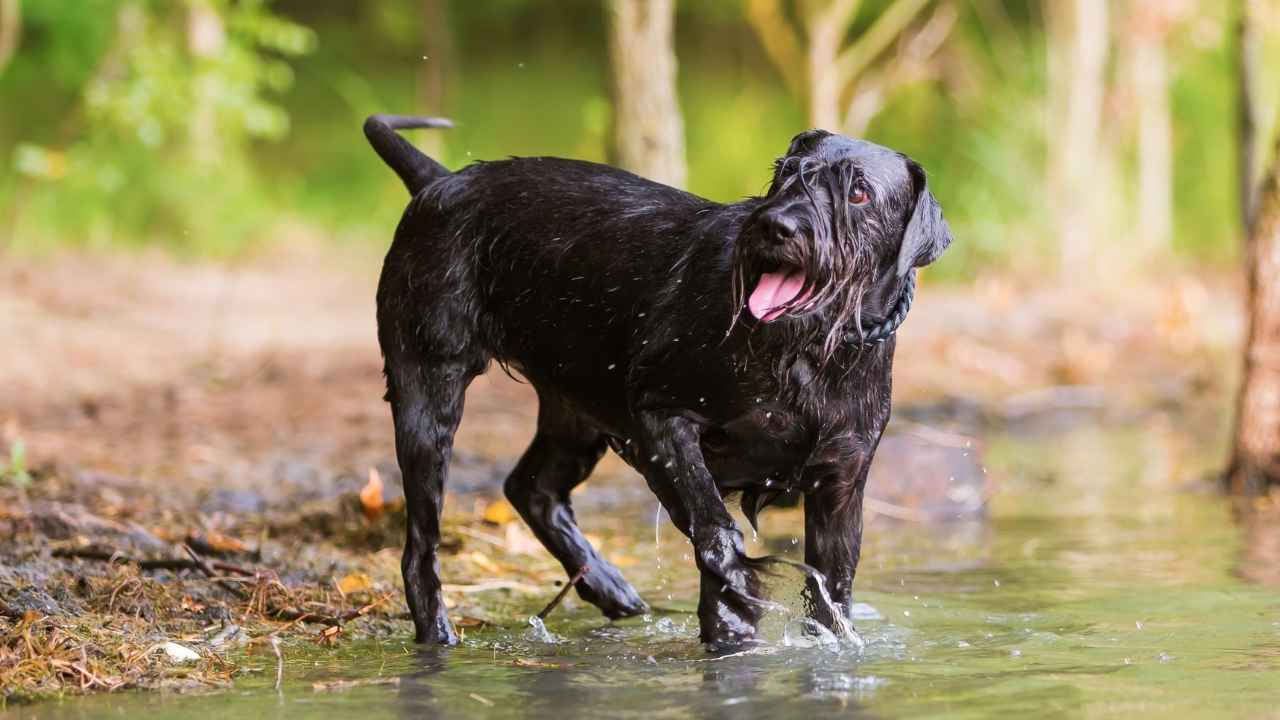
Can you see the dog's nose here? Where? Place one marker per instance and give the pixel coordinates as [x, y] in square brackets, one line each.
[778, 226]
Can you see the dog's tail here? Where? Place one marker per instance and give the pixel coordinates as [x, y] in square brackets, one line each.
[414, 168]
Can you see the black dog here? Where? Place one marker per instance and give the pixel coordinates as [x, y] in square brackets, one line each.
[716, 348]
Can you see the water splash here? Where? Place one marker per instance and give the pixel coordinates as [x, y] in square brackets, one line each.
[539, 633]
[804, 631]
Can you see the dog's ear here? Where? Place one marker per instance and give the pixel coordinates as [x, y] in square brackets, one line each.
[805, 141]
[927, 233]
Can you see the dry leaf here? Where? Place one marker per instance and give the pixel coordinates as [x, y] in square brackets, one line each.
[499, 512]
[484, 562]
[371, 496]
[224, 543]
[339, 685]
[519, 541]
[329, 636]
[354, 583]
[531, 663]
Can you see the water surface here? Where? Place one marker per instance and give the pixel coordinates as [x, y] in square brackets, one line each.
[1104, 583]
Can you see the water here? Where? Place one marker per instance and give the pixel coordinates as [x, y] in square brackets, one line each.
[1101, 586]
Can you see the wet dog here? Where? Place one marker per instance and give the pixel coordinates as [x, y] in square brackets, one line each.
[742, 348]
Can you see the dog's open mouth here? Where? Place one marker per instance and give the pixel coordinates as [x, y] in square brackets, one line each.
[774, 291]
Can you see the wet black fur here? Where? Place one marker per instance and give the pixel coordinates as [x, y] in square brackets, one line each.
[622, 302]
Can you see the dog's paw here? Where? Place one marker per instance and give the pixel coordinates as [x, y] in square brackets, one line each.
[437, 631]
[604, 587]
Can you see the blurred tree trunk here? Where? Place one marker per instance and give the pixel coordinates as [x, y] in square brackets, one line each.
[1255, 463]
[10, 30]
[206, 40]
[1247, 45]
[844, 84]
[1077, 46]
[648, 130]
[437, 63]
[1149, 74]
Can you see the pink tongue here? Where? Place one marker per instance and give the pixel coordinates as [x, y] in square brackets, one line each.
[772, 292]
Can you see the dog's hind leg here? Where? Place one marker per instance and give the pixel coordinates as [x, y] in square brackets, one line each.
[562, 454]
[426, 406]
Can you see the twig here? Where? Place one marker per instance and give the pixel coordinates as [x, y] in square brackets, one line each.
[161, 564]
[275, 647]
[582, 571]
[204, 567]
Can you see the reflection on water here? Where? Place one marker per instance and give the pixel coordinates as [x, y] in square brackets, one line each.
[1100, 585]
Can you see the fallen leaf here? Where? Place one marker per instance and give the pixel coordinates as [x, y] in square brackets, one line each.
[339, 685]
[371, 496]
[224, 543]
[519, 541]
[531, 663]
[354, 583]
[484, 562]
[329, 636]
[499, 512]
[179, 653]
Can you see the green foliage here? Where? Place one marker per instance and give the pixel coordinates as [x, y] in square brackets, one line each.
[14, 471]
[162, 133]
[110, 147]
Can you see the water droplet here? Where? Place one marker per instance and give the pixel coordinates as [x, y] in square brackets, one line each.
[1138, 624]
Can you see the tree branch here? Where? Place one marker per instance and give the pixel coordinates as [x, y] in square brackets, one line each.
[780, 41]
[10, 30]
[914, 63]
[877, 38]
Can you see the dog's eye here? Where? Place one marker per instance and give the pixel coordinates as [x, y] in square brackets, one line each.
[859, 196]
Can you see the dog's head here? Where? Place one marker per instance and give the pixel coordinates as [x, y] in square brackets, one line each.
[842, 217]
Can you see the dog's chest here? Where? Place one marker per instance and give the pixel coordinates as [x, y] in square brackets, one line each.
[783, 432]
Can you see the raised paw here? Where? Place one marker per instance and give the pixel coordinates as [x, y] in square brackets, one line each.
[604, 587]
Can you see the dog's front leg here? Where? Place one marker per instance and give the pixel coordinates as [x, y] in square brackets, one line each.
[672, 463]
[833, 537]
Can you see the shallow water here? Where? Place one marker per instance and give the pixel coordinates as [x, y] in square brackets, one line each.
[1100, 586]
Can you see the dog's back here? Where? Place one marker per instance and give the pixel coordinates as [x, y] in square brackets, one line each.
[560, 264]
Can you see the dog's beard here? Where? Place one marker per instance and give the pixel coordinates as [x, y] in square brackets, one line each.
[818, 285]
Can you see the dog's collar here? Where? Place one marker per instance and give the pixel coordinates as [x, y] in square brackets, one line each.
[883, 330]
